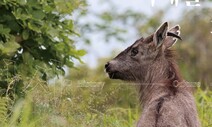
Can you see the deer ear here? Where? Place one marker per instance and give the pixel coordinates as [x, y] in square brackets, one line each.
[172, 36]
[160, 34]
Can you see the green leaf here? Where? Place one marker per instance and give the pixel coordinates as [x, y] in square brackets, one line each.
[70, 64]
[38, 14]
[9, 47]
[22, 2]
[48, 8]
[81, 52]
[19, 11]
[77, 53]
[33, 27]
[4, 30]
[25, 34]
[32, 3]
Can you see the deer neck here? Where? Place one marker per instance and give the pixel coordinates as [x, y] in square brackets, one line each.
[155, 84]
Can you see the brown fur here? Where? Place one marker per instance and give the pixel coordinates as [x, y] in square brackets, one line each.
[166, 99]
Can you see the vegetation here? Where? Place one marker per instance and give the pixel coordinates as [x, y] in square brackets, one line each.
[37, 47]
[35, 37]
[93, 102]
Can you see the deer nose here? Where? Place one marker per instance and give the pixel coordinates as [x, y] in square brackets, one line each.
[107, 65]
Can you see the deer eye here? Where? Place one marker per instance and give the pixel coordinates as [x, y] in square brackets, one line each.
[134, 52]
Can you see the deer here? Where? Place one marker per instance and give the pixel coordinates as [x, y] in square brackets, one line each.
[166, 98]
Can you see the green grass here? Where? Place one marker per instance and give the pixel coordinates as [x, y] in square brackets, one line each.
[72, 106]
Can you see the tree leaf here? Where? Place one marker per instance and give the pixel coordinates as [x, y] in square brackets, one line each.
[33, 27]
[22, 2]
[9, 47]
[81, 52]
[38, 14]
[25, 34]
[4, 30]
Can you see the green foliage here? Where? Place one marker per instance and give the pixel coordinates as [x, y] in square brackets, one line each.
[112, 26]
[22, 115]
[35, 37]
[204, 104]
[72, 104]
[195, 51]
[3, 111]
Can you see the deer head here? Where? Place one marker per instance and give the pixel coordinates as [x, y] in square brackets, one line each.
[146, 57]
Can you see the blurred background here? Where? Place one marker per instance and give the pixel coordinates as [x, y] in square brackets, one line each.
[52, 57]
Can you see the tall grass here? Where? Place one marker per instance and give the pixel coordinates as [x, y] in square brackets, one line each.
[68, 105]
